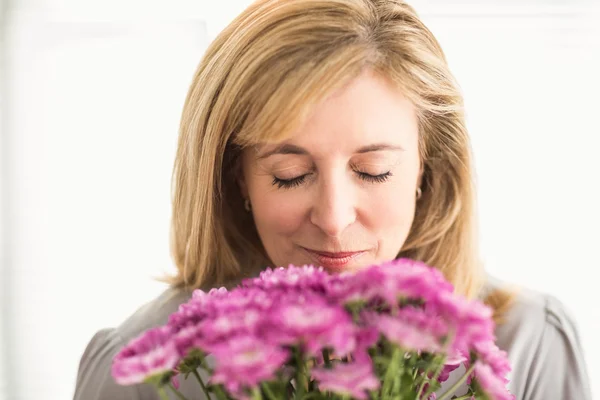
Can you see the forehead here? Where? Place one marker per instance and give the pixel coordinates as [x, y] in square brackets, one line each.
[367, 111]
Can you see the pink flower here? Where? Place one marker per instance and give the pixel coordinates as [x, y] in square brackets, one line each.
[410, 329]
[202, 305]
[392, 281]
[490, 354]
[151, 354]
[232, 323]
[314, 324]
[306, 278]
[249, 330]
[453, 361]
[175, 382]
[415, 279]
[352, 379]
[188, 314]
[469, 321]
[407, 336]
[245, 361]
[367, 337]
[243, 298]
[188, 339]
[493, 385]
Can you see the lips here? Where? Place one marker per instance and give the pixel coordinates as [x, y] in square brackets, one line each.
[333, 261]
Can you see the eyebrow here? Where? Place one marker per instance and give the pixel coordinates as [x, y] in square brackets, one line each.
[379, 147]
[297, 150]
[283, 149]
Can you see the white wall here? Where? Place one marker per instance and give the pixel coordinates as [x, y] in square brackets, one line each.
[95, 91]
[3, 172]
[94, 109]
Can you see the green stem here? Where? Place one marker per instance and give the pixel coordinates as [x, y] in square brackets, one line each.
[421, 387]
[268, 392]
[201, 382]
[313, 395]
[436, 375]
[162, 393]
[179, 395]
[220, 393]
[454, 387]
[326, 358]
[204, 365]
[391, 371]
[256, 394]
[446, 346]
[300, 377]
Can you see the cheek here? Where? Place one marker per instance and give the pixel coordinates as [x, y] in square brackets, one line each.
[389, 214]
[392, 215]
[278, 215]
[392, 207]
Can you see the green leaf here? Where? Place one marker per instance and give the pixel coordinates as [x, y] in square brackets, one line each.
[219, 390]
[191, 362]
[408, 388]
[275, 389]
[160, 380]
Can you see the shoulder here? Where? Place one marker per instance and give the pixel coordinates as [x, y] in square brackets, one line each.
[152, 314]
[531, 314]
[94, 380]
[538, 331]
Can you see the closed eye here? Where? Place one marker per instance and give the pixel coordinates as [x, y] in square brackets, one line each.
[375, 178]
[289, 183]
[299, 180]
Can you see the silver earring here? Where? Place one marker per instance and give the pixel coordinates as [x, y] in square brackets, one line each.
[419, 193]
[247, 204]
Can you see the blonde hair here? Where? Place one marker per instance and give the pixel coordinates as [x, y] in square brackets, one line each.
[257, 82]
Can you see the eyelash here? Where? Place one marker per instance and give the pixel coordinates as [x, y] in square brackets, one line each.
[294, 182]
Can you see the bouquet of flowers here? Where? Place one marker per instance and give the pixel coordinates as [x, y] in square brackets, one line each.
[389, 331]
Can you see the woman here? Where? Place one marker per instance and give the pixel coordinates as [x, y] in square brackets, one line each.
[332, 132]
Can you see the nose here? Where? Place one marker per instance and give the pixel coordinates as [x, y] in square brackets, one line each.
[334, 208]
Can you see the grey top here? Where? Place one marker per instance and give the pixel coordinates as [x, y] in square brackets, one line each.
[539, 335]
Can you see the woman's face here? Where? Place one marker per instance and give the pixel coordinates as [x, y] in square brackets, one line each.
[341, 192]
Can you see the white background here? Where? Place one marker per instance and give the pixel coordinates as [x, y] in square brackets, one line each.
[91, 94]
